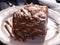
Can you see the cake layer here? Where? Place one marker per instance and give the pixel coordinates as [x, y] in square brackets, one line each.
[30, 22]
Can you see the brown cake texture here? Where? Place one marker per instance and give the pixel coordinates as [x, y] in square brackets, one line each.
[29, 22]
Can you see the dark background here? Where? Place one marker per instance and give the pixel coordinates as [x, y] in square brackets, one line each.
[5, 3]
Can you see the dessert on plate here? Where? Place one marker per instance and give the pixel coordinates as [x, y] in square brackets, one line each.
[29, 22]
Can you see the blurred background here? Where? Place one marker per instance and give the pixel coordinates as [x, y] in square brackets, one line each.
[9, 3]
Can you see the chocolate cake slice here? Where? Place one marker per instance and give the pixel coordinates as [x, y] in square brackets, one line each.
[29, 22]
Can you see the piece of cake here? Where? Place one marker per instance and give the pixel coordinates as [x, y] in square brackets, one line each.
[29, 22]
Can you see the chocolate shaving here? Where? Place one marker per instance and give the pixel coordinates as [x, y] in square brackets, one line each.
[8, 23]
[8, 30]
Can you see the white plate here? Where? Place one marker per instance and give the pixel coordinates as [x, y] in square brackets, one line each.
[53, 26]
